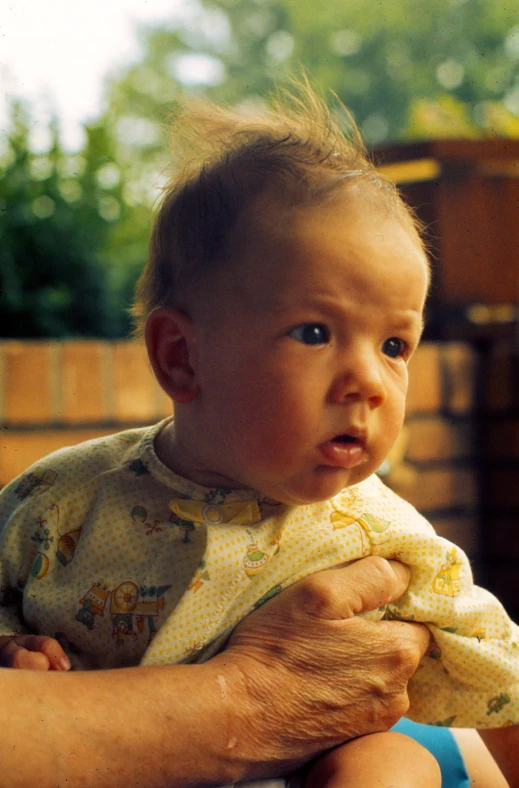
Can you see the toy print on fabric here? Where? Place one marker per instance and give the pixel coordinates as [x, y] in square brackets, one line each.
[42, 537]
[38, 481]
[201, 577]
[47, 533]
[371, 529]
[139, 516]
[127, 605]
[255, 559]
[133, 564]
[448, 579]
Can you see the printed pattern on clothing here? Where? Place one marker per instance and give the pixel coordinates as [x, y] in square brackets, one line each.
[126, 563]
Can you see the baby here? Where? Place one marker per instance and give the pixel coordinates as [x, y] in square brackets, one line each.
[282, 301]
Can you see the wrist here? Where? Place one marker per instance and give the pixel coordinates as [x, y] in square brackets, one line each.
[203, 748]
[256, 743]
[238, 745]
[219, 727]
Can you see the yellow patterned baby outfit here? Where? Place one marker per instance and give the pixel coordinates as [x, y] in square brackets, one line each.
[126, 563]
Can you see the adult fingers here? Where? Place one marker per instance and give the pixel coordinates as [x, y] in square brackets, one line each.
[416, 638]
[356, 588]
[322, 681]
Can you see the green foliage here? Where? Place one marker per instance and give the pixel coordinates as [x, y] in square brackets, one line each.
[74, 229]
[381, 58]
[55, 228]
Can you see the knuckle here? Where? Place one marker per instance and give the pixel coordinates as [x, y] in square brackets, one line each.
[382, 573]
[389, 702]
[380, 565]
[383, 708]
[400, 706]
[401, 648]
[315, 595]
[394, 710]
[407, 657]
[378, 688]
[397, 704]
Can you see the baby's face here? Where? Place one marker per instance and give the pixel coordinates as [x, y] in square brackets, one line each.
[302, 352]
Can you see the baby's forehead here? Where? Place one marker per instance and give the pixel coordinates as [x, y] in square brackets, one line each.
[269, 219]
[279, 249]
[278, 208]
[287, 263]
[310, 238]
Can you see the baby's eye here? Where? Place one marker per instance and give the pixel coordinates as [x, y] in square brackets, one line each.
[310, 334]
[394, 347]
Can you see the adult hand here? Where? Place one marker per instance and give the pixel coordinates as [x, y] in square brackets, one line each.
[314, 674]
[299, 675]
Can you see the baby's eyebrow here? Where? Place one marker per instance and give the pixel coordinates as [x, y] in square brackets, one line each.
[421, 323]
[414, 321]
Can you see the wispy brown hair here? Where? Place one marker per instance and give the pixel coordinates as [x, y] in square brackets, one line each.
[296, 150]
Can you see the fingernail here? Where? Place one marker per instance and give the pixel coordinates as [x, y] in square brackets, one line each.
[64, 663]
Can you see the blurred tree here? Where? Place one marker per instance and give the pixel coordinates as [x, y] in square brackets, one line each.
[405, 70]
[56, 211]
[74, 229]
[382, 59]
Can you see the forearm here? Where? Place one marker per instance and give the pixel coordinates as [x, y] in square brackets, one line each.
[503, 743]
[300, 675]
[156, 727]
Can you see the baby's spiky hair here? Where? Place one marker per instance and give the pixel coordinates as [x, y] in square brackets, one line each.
[295, 151]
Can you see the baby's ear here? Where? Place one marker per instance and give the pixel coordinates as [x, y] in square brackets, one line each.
[170, 344]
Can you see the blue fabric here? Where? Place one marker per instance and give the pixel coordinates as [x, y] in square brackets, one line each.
[442, 744]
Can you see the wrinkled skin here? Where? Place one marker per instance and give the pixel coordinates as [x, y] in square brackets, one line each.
[319, 674]
[300, 675]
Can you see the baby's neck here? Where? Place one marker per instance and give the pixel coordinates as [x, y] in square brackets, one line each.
[176, 455]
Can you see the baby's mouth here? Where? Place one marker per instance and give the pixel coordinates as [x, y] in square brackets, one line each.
[348, 438]
[345, 450]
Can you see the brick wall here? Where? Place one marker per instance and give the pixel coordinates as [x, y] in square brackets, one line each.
[499, 468]
[462, 453]
[457, 459]
[55, 394]
[438, 472]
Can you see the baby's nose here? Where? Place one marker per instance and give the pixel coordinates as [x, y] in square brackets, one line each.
[360, 380]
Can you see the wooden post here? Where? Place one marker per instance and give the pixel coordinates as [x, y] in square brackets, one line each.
[467, 192]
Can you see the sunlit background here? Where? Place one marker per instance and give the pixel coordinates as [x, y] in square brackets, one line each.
[87, 89]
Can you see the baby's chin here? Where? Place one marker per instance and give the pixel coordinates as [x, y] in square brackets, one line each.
[326, 483]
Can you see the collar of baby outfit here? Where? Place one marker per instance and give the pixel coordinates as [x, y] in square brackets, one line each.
[235, 513]
[191, 491]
